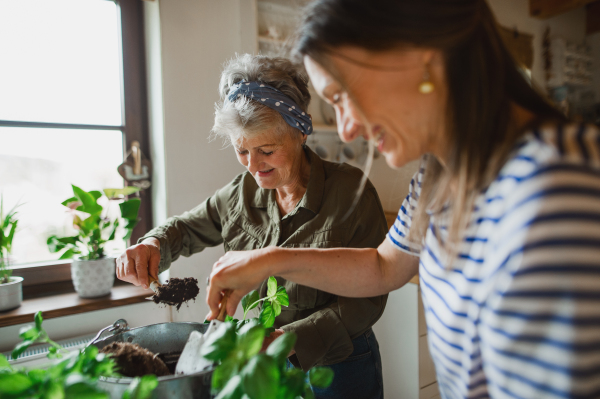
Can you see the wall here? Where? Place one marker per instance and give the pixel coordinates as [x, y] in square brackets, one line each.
[515, 14]
[196, 38]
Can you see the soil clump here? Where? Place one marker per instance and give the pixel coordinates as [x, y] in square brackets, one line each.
[134, 361]
[177, 291]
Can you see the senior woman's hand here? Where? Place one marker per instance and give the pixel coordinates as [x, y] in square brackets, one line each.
[240, 272]
[138, 262]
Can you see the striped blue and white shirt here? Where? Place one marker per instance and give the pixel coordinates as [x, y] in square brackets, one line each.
[517, 313]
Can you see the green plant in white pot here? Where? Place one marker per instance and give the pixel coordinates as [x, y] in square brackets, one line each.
[11, 290]
[92, 272]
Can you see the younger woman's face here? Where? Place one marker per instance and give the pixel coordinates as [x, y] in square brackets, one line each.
[404, 123]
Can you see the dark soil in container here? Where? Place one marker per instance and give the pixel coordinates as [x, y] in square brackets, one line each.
[177, 291]
[170, 359]
[134, 361]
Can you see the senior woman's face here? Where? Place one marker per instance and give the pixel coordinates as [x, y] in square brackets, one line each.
[404, 123]
[273, 159]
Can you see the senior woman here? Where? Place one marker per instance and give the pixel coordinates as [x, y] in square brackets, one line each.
[291, 198]
[502, 221]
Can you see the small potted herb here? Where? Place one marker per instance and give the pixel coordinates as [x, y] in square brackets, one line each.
[11, 290]
[92, 272]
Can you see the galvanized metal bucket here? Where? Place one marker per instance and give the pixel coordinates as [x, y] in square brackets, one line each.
[167, 340]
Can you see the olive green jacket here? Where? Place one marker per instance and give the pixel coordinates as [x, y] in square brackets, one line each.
[244, 216]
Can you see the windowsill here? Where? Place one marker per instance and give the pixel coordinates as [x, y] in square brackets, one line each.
[69, 304]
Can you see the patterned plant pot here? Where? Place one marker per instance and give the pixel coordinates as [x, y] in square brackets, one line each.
[93, 278]
[11, 293]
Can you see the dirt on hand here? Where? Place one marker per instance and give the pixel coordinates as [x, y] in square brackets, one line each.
[177, 291]
[134, 361]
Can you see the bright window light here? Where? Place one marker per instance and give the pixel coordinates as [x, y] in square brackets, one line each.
[60, 61]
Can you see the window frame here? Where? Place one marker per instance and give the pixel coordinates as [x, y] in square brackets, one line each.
[54, 277]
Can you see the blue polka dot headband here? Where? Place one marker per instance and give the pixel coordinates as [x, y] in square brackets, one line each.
[274, 99]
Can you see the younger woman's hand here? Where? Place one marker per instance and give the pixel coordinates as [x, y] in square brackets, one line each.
[240, 272]
[138, 262]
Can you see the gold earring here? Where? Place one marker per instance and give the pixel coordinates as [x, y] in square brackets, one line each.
[426, 86]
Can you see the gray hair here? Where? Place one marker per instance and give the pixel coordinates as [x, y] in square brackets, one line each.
[244, 117]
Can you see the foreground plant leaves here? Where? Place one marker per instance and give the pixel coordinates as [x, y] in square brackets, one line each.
[74, 377]
[260, 377]
[244, 372]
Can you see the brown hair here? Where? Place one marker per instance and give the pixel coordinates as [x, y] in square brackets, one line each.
[483, 80]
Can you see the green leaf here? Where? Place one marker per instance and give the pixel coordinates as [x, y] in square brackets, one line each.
[69, 253]
[269, 330]
[114, 230]
[54, 390]
[250, 301]
[282, 297]
[220, 343]
[21, 347]
[250, 340]
[88, 201]
[4, 364]
[130, 208]
[56, 244]
[11, 234]
[260, 377]
[308, 392]
[224, 372]
[90, 223]
[276, 308]
[232, 390]
[120, 192]
[39, 319]
[141, 388]
[267, 315]
[37, 375]
[320, 377]
[68, 201]
[14, 383]
[78, 386]
[281, 347]
[272, 286]
[96, 194]
[294, 384]
[29, 332]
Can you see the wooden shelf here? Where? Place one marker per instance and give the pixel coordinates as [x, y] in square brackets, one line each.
[68, 304]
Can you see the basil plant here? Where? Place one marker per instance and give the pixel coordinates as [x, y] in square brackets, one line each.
[93, 223]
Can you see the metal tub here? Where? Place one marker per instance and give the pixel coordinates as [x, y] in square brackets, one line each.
[163, 339]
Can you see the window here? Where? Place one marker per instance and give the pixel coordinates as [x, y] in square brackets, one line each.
[72, 100]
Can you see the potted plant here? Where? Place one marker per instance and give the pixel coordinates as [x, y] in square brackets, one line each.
[11, 290]
[92, 272]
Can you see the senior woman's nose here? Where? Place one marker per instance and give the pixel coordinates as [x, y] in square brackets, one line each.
[253, 164]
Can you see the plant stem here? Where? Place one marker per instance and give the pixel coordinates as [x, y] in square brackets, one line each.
[251, 305]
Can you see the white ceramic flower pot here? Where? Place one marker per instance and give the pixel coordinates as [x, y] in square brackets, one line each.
[93, 278]
[11, 293]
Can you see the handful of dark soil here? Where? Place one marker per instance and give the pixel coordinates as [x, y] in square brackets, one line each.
[177, 291]
[134, 361]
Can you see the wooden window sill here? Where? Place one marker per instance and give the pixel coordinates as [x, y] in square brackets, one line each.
[68, 304]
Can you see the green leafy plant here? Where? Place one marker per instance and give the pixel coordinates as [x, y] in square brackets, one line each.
[73, 377]
[245, 372]
[34, 334]
[95, 228]
[8, 226]
[275, 299]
